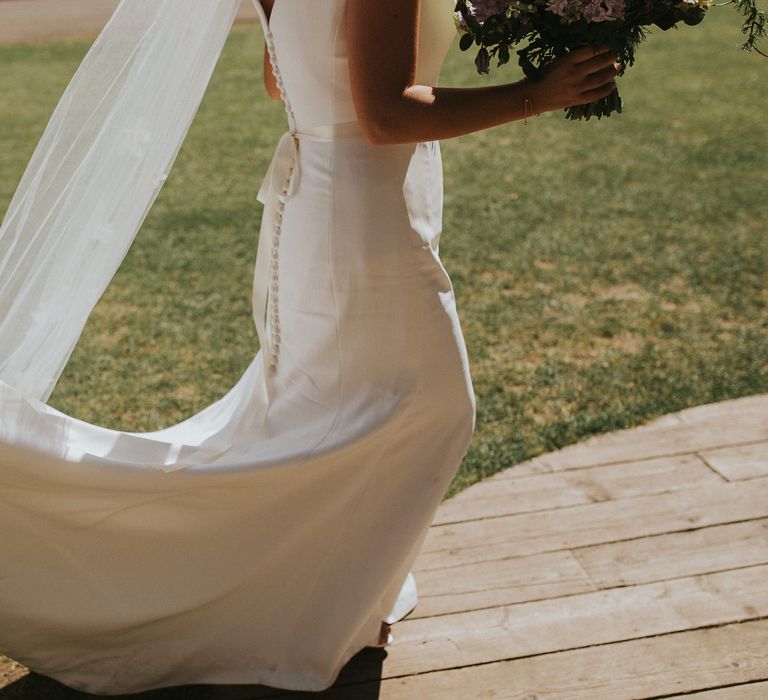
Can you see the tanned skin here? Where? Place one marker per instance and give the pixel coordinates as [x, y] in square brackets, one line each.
[382, 41]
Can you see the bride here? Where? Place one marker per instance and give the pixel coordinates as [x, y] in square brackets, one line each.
[269, 537]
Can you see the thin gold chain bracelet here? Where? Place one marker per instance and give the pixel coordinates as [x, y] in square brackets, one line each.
[526, 105]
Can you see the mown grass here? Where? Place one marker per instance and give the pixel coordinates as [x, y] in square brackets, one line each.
[606, 272]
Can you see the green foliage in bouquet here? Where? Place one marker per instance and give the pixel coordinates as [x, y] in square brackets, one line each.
[551, 28]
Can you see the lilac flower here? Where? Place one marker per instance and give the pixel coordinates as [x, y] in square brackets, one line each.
[589, 10]
[569, 9]
[481, 10]
[458, 20]
[603, 10]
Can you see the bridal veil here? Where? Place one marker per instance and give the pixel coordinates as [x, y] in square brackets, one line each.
[94, 175]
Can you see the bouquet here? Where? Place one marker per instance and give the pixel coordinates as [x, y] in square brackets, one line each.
[551, 28]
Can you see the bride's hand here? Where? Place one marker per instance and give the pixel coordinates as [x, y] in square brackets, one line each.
[581, 76]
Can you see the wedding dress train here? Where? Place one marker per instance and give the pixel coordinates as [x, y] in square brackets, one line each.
[264, 539]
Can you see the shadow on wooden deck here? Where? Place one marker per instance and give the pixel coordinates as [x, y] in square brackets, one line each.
[367, 664]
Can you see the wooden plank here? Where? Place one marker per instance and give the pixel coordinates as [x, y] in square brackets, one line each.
[500, 582]
[723, 409]
[535, 465]
[647, 559]
[594, 523]
[740, 462]
[600, 617]
[644, 668]
[754, 407]
[540, 576]
[746, 691]
[737, 427]
[672, 441]
[494, 497]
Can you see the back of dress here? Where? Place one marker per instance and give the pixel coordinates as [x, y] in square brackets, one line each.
[264, 539]
[310, 44]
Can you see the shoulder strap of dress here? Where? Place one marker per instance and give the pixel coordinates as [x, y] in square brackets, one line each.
[264, 22]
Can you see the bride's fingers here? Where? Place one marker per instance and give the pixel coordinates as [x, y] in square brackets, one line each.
[601, 77]
[596, 63]
[592, 95]
[585, 53]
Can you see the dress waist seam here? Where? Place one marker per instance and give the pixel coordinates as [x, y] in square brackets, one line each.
[331, 132]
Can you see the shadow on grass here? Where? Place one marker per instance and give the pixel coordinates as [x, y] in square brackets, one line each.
[360, 679]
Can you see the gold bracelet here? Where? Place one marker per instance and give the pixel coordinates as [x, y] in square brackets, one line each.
[525, 111]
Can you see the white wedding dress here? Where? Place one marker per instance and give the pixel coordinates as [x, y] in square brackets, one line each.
[264, 539]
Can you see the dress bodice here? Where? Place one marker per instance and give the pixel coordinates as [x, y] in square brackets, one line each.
[311, 50]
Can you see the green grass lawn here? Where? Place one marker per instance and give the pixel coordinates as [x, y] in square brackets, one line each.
[606, 272]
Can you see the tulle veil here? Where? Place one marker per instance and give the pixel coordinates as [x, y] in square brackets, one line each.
[95, 173]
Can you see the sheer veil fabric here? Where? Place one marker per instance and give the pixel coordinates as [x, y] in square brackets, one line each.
[94, 175]
[263, 539]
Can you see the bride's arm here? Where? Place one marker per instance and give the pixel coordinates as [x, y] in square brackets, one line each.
[382, 40]
[269, 77]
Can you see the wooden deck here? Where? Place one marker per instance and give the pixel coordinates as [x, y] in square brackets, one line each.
[632, 565]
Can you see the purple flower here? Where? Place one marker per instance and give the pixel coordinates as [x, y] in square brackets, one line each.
[569, 9]
[460, 23]
[603, 10]
[589, 10]
[481, 10]
[616, 9]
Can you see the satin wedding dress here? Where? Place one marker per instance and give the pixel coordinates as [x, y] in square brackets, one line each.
[264, 539]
